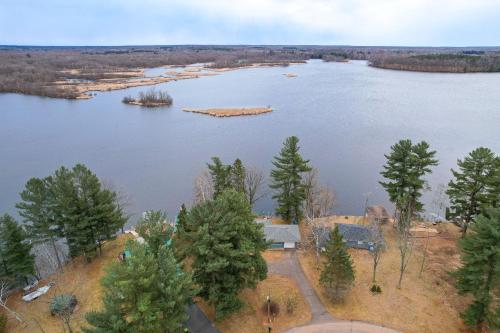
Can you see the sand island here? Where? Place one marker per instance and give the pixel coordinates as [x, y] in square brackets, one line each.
[230, 112]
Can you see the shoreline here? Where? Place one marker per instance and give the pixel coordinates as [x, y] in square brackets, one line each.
[136, 78]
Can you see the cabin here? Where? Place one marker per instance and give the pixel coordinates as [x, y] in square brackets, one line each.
[281, 236]
[355, 236]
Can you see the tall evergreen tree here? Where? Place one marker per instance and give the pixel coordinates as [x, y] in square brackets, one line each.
[480, 272]
[181, 240]
[404, 171]
[221, 175]
[155, 229]
[474, 186]
[17, 261]
[226, 248]
[73, 204]
[144, 294]
[36, 209]
[182, 220]
[337, 275]
[287, 180]
[238, 174]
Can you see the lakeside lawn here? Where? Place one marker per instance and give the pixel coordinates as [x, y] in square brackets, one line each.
[79, 278]
[251, 319]
[429, 303]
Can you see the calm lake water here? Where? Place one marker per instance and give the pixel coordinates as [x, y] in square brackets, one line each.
[346, 116]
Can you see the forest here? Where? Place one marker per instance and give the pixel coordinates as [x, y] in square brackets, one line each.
[57, 71]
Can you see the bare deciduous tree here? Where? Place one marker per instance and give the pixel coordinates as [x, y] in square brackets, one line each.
[203, 187]
[254, 179]
[123, 198]
[4, 295]
[377, 240]
[49, 257]
[319, 203]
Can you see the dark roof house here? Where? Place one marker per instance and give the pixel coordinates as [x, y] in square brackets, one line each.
[355, 236]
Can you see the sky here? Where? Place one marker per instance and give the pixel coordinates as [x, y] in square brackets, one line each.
[306, 22]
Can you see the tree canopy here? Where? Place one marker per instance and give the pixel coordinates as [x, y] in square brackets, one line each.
[146, 293]
[286, 176]
[337, 275]
[480, 271]
[404, 171]
[72, 204]
[16, 261]
[226, 248]
[474, 186]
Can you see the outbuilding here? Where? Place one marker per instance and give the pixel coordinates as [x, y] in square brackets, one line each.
[281, 236]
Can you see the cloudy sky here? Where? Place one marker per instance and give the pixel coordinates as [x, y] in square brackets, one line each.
[338, 22]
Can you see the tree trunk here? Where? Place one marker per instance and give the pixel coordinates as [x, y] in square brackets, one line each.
[464, 229]
[54, 247]
[375, 263]
[13, 313]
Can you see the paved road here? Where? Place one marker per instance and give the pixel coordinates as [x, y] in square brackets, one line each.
[322, 321]
[343, 326]
[198, 322]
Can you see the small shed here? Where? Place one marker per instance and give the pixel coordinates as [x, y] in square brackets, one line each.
[282, 236]
[379, 213]
[354, 235]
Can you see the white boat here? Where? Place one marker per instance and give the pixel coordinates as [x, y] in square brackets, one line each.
[37, 293]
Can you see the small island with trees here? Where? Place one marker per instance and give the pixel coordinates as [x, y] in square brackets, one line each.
[150, 98]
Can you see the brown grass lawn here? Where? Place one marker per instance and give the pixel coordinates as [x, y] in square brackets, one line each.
[80, 279]
[424, 304]
[273, 255]
[250, 319]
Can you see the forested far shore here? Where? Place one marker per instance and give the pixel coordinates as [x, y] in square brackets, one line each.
[61, 72]
[444, 63]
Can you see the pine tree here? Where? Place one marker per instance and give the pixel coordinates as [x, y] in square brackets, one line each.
[155, 229]
[89, 214]
[473, 187]
[480, 271]
[221, 175]
[404, 171]
[226, 248]
[287, 180]
[144, 294]
[238, 173]
[17, 261]
[36, 209]
[182, 225]
[337, 275]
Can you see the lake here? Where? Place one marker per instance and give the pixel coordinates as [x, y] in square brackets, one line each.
[346, 116]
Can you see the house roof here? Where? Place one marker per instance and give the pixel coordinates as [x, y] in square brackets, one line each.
[286, 233]
[349, 232]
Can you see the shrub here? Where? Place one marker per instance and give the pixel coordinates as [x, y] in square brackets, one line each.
[291, 303]
[3, 323]
[128, 99]
[274, 308]
[155, 98]
[376, 289]
[63, 305]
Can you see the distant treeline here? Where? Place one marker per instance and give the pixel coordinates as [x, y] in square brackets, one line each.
[465, 62]
[53, 71]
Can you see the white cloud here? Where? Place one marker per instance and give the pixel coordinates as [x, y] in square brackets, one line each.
[353, 21]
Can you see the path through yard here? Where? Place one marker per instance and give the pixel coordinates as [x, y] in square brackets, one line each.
[322, 321]
[289, 266]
